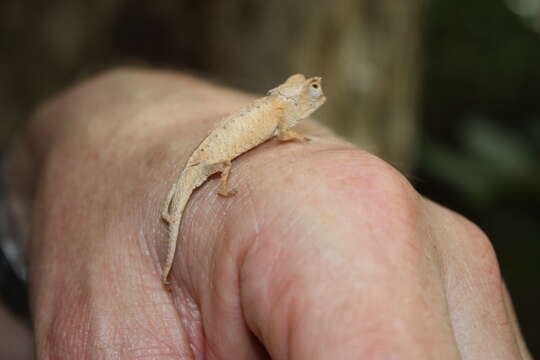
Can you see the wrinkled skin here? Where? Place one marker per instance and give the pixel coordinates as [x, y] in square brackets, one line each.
[326, 252]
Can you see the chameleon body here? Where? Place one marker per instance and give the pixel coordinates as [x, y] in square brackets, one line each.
[264, 118]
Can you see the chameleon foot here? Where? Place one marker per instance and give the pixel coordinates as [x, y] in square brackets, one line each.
[223, 184]
[227, 192]
[292, 136]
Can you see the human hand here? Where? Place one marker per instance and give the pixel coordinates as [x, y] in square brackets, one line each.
[326, 252]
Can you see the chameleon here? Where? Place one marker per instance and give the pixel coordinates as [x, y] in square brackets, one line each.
[272, 115]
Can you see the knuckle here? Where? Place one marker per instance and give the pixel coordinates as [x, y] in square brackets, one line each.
[379, 192]
[370, 176]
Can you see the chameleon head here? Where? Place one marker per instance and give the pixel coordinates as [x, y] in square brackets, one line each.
[305, 95]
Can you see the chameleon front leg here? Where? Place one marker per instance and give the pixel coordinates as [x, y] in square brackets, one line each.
[288, 120]
[224, 181]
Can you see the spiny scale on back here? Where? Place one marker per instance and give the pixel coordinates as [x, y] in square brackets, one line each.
[239, 132]
[274, 114]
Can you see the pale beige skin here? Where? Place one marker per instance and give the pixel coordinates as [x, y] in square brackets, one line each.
[274, 114]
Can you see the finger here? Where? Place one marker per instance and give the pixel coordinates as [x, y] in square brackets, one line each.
[325, 258]
[474, 287]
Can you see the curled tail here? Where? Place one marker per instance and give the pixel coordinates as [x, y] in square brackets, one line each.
[174, 207]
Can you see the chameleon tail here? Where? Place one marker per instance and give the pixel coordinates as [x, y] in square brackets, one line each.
[190, 179]
[174, 228]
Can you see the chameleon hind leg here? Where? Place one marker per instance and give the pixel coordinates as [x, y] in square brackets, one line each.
[224, 189]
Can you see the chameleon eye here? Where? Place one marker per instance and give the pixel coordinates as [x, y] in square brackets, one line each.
[315, 91]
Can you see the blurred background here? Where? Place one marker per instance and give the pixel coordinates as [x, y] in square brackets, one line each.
[446, 90]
